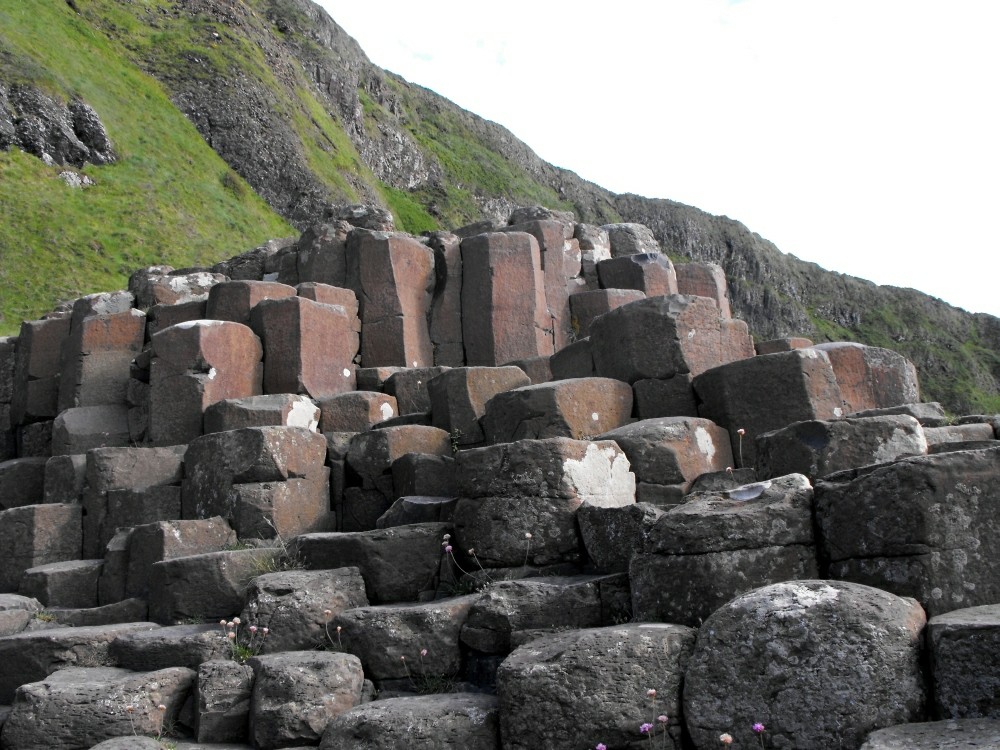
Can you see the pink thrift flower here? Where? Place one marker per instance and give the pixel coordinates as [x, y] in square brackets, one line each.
[726, 739]
[253, 628]
[651, 693]
[758, 727]
[448, 549]
[423, 652]
[601, 746]
[662, 718]
[644, 729]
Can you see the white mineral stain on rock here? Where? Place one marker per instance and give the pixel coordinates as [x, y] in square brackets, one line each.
[794, 597]
[386, 411]
[705, 443]
[602, 477]
[303, 414]
[594, 416]
[212, 373]
[198, 324]
[347, 373]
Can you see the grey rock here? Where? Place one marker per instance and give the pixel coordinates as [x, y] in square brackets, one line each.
[610, 694]
[223, 692]
[296, 605]
[174, 646]
[426, 722]
[612, 536]
[819, 663]
[630, 239]
[961, 734]
[929, 415]
[965, 662]
[296, 694]
[16, 612]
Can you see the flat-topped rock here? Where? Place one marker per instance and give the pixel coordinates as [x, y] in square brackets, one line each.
[965, 661]
[172, 646]
[953, 734]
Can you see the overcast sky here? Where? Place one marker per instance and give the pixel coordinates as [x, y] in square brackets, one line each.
[859, 135]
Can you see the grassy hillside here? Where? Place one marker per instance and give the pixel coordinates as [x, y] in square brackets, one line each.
[169, 199]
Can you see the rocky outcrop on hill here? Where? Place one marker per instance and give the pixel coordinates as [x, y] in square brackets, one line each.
[264, 511]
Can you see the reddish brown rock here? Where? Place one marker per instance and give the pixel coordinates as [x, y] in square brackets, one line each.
[446, 306]
[576, 408]
[705, 280]
[393, 276]
[630, 238]
[586, 306]
[356, 411]
[536, 368]
[36, 369]
[309, 347]
[870, 377]
[233, 300]
[159, 317]
[329, 295]
[766, 393]
[651, 273]
[195, 365]
[322, 253]
[737, 343]
[273, 410]
[504, 314]
[372, 453]
[266, 510]
[459, 397]
[595, 246]
[35, 535]
[409, 388]
[657, 338]
[97, 355]
[166, 540]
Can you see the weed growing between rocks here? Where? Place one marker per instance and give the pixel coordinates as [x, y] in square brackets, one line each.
[426, 684]
[337, 645]
[242, 652]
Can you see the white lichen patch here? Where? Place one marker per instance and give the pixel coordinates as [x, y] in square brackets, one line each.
[303, 414]
[705, 443]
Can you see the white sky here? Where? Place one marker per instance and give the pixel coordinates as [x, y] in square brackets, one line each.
[859, 134]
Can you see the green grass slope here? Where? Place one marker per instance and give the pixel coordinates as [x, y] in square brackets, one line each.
[169, 198]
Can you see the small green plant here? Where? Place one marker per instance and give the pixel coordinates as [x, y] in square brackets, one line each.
[456, 439]
[45, 616]
[424, 683]
[252, 645]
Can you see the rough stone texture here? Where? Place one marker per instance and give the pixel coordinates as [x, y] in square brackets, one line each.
[611, 536]
[71, 583]
[426, 722]
[573, 361]
[958, 433]
[35, 535]
[534, 487]
[668, 397]
[424, 474]
[215, 463]
[16, 612]
[127, 610]
[330, 295]
[389, 639]
[322, 253]
[446, 305]
[96, 355]
[110, 469]
[817, 448]
[79, 429]
[159, 317]
[672, 450]
[274, 410]
[926, 527]
[356, 411]
[296, 694]
[537, 369]
[274, 510]
[782, 345]
[508, 610]
[309, 347]
[166, 540]
[458, 398]
[223, 691]
[964, 734]
[870, 377]
[79, 707]
[161, 285]
[650, 273]
[609, 671]
[293, 604]
[418, 509]
[819, 663]
[35, 439]
[372, 453]
[33, 655]
[657, 337]
[64, 479]
[174, 646]
[36, 369]
[595, 246]
[203, 587]
[630, 239]
[398, 564]
[22, 482]
[195, 365]
[704, 280]
[393, 276]
[578, 408]
[929, 415]
[233, 300]
[715, 546]
[128, 508]
[504, 313]
[409, 388]
[766, 393]
[587, 306]
[965, 663]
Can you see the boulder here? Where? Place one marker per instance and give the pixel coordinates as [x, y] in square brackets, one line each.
[35, 393]
[173, 646]
[936, 735]
[611, 536]
[79, 429]
[297, 605]
[296, 694]
[630, 239]
[782, 345]
[657, 337]
[275, 410]
[964, 647]
[322, 253]
[425, 722]
[410, 388]
[459, 398]
[818, 663]
[70, 583]
[161, 285]
[650, 273]
[609, 671]
[166, 540]
[223, 708]
[870, 377]
[446, 305]
[22, 482]
[705, 280]
[926, 527]
[817, 448]
[233, 300]
[34, 535]
[357, 411]
[16, 612]
[578, 408]
[372, 453]
[573, 361]
[64, 479]
[504, 312]
[665, 397]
